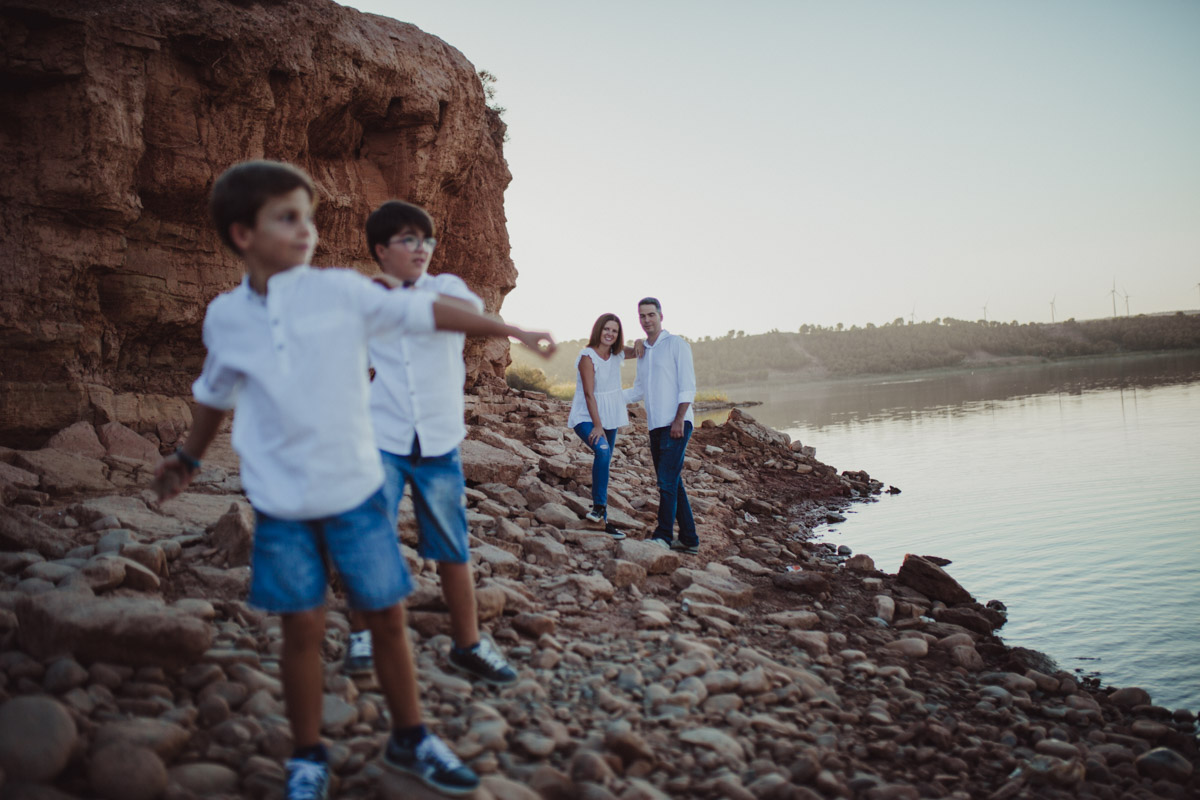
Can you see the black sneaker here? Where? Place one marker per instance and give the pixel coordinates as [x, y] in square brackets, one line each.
[597, 514]
[612, 531]
[485, 662]
[433, 763]
[307, 780]
[360, 659]
[688, 549]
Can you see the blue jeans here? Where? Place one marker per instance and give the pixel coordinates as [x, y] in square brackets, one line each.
[439, 500]
[673, 505]
[290, 567]
[602, 457]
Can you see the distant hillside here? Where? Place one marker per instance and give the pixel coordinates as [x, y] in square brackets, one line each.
[901, 347]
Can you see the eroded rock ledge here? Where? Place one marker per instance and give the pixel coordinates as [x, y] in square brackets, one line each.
[762, 668]
[118, 116]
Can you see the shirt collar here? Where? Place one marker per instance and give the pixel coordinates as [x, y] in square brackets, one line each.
[277, 281]
[662, 334]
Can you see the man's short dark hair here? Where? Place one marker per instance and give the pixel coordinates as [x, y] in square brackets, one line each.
[650, 301]
[243, 189]
[393, 217]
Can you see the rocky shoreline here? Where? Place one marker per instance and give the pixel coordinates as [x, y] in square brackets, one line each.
[766, 667]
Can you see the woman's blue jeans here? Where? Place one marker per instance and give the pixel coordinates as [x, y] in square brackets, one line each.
[603, 453]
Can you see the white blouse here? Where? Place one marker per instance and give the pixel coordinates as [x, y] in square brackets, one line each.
[607, 388]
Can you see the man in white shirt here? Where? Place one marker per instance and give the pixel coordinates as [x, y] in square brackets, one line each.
[667, 382]
[417, 412]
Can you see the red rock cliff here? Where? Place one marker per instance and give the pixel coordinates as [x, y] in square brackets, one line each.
[116, 117]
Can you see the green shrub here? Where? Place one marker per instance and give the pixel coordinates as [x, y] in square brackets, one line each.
[526, 378]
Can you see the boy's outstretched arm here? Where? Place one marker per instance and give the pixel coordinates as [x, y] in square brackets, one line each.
[175, 472]
[456, 317]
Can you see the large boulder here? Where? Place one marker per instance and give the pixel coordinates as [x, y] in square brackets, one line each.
[80, 439]
[19, 532]
[37, 738]
[123, 630]
[233, 535]
[931, 580]
[119, 440]
[483, 463]
[65, 473]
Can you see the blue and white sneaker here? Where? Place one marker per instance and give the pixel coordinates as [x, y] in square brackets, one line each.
[432, 763]
[360, 657]
[484, 662]
[307, 780]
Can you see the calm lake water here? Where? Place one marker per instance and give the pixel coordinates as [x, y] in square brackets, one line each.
[1069, 491]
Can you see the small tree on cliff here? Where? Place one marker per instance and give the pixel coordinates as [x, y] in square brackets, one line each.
[489, 80]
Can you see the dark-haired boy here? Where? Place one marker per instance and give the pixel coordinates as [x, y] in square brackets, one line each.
[417, 411]
[288, 349]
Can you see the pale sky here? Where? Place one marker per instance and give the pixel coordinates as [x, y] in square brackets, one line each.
[770, 163]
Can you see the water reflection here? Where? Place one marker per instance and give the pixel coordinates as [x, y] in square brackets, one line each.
[961, 393]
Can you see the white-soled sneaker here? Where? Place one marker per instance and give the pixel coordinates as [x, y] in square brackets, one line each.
[307, 780]
[484, 662]
[433, 763]
[360, 657]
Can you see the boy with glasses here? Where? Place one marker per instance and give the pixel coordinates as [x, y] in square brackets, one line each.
[417, 412]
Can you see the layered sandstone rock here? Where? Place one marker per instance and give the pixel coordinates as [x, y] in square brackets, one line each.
[117, 117]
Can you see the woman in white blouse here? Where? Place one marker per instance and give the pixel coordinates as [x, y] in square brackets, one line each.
[598, 409]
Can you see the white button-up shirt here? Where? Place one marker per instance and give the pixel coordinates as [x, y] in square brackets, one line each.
[294, 366]
[665, 378]
[418, 386]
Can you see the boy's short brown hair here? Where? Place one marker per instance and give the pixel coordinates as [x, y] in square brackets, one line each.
[243, 189]
[393, 217]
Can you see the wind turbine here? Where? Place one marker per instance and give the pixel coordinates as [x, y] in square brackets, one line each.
[1114, 296]
[1052, 299]
[1126, 293]
[985, 313]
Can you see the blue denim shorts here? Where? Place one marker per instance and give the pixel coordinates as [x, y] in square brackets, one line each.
[292, 558]
[439, 495]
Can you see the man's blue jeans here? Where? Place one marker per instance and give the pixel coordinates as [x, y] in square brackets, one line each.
[673, 505]
[602, 458]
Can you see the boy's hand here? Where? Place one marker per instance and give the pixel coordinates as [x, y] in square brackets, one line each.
[171, 477]
[539, 342]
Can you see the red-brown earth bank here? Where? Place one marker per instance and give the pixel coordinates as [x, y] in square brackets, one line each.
[116, 117]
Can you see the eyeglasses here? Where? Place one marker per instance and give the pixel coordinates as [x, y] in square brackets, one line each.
[411, 243]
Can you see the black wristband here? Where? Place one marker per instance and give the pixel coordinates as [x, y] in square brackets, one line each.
[192, 464]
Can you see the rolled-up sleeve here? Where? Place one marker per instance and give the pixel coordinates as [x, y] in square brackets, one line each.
[685, 372]
[454, 286]
[219, 383]
[386, 310]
